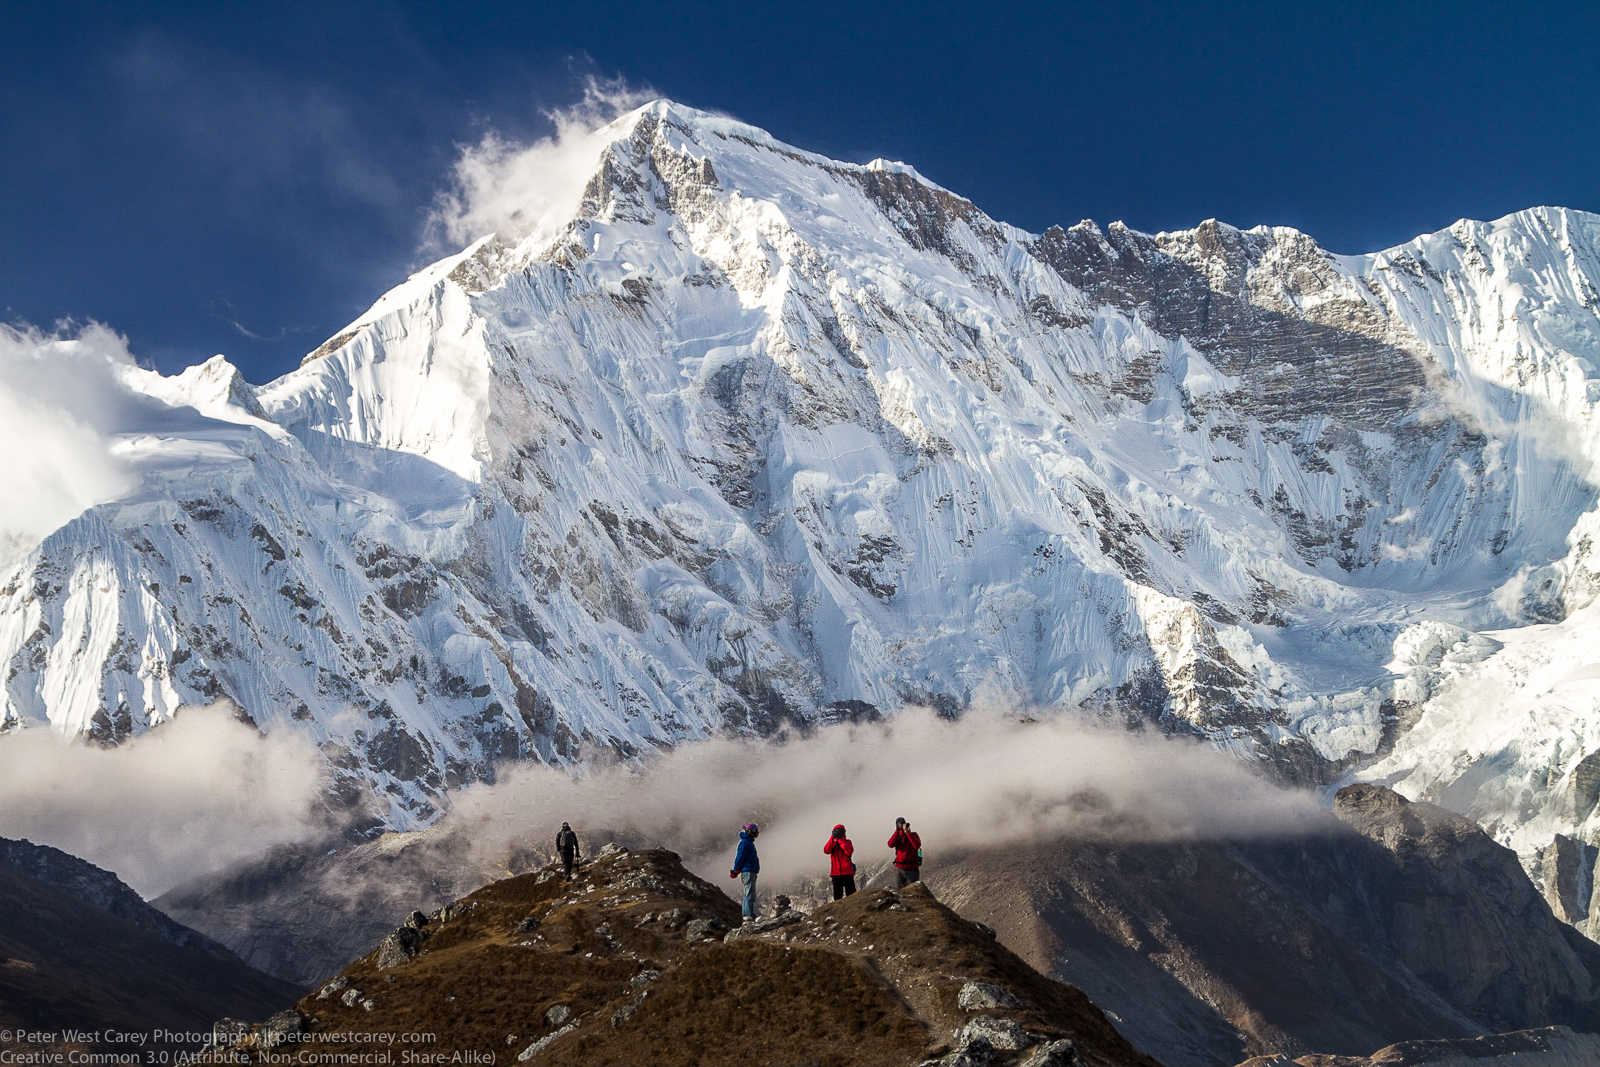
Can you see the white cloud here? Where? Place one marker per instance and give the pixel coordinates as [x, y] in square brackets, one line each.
[985, 780]
[188, 797]
[57, 394]
[534, 189]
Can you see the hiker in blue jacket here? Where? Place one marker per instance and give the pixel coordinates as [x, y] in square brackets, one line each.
[746, 865]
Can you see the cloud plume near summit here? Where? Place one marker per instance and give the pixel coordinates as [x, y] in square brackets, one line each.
[57, 393]
[986, 779]
[530, 189]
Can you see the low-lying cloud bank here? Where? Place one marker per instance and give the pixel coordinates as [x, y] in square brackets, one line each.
[190, 796]
[984, 780]
[205, 790]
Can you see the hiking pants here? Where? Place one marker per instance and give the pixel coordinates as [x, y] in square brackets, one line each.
[566, 865]
[749, 880]
[843, 885]
[904, 876]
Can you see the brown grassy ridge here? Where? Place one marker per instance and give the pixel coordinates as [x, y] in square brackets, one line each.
[869, 980]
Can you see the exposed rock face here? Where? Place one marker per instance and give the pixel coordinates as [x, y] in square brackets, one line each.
[990, 1033]
[700, 929]
[1568, 868]
[765, 925]
[1402, 921]
[399, 947]
[1054, 1054]
[979, 996]
[285, 1027]
[759, 437]
[1462, 916]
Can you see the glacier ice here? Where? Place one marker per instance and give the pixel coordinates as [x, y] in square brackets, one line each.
[759, 437]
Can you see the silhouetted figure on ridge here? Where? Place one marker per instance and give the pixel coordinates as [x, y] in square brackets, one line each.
[567, 846]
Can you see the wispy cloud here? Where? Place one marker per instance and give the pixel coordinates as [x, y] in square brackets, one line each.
[534, 188]
[257, 132]
[227, 315]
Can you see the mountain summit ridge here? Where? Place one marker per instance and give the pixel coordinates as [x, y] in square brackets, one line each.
[756, 436]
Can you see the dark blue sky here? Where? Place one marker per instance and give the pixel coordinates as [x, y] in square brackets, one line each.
[246, 178]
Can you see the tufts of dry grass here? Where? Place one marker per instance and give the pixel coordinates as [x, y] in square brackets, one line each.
[755, 1003]
[869, 980]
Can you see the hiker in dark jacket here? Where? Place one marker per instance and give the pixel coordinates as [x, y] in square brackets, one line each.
[567, 846]
[843, 870]
[907, 845]
[746, 865]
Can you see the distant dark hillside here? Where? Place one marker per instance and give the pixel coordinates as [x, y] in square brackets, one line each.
[65, 962]
[302, 912]
[1399, 922]
[98, 886]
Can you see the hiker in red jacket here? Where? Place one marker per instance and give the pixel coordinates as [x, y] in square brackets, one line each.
[907, 845]
[843, 871]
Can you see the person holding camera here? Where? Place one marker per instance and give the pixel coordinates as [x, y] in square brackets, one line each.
[843, 869]
[907, 845]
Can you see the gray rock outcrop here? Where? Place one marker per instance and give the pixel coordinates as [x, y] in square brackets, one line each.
[700, 929]
[766, 925]
[399, 947]
[981, 996]
[1002, 1034]
[1061, 1053]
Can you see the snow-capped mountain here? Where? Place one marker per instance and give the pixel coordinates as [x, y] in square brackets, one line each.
[758, 436]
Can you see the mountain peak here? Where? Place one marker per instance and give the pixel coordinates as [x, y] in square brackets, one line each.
[719, 435]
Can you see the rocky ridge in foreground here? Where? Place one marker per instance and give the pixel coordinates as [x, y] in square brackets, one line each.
[1392, 921]
[639, 961]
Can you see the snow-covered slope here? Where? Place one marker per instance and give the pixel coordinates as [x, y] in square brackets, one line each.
[761, 437]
